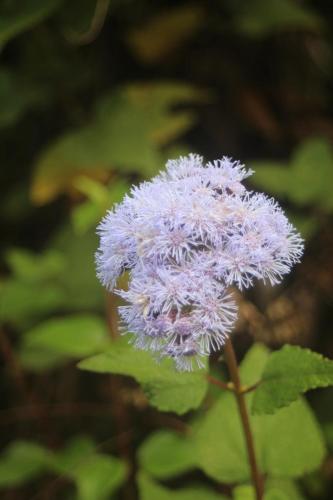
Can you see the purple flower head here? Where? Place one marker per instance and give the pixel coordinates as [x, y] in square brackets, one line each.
[185, 237]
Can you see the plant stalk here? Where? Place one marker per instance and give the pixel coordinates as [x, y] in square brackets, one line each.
[231, 361]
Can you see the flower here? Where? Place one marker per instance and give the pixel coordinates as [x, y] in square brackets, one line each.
[185, 237]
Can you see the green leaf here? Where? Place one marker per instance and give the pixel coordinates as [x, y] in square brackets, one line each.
[279, 439]
[283, 450]
[273, 177]
[33, 289]
[21, 462]
[282, 489]
[19, 16]
[275, 489]
[81, 289]
[38, 360]
[23, 303]
[96, 475]
[166, 389]
[126, 132]
[306, 180]
[288, 373]
[312, 164]
[255, 19]
[66, 461]
[76, 335]
[150, 490]
[101, 199]
[166, 454]
[253, 364]
[33, 267]
[244, 492]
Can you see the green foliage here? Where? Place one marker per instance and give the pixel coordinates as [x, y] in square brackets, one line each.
[275, 489]
[244, 492]
[32, 267]
[21, 462]
[96, 475]
[221, 451]
[165, 388]
[17, 16]
[100, 199]
[126, 132]
[282, 489]
[255, 19]
[21, 299]
[306, 180]
[22, 303]
[76, 335]
[288, 373]
[38, 360]
[166, 454]
[81, 289]
[149, 490]
[43, 284]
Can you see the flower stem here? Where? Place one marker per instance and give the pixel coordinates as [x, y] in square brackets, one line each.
[231, 361]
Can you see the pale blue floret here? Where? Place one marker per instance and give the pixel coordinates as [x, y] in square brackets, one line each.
[185, 237]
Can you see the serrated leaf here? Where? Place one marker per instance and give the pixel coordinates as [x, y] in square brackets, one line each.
[280, 446]
[150, 490]
[22, 461]
[126, 132]
[166, 454]
[288, 373]
[165, 388]
[77, 335]
[16, 17]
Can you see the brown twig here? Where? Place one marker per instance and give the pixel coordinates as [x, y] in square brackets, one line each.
[231, 361]
[226, 386]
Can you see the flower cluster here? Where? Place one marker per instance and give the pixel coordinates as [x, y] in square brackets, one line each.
[185, 237]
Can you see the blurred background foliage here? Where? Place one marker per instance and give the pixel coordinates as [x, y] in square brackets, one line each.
[95, 96]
